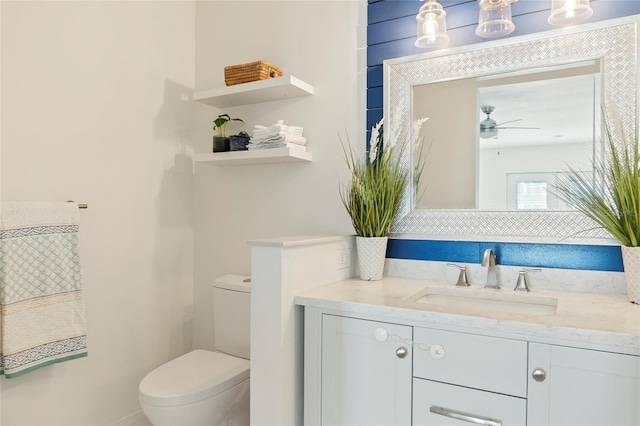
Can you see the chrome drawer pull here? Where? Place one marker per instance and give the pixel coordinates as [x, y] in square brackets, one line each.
[465, 417]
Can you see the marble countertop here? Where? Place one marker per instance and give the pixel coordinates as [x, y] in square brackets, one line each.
[588, 320]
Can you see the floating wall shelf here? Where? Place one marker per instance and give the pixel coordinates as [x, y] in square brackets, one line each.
[272, 89]
[258, 156]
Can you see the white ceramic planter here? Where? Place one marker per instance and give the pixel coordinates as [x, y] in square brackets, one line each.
[631, 261]
[371, 255]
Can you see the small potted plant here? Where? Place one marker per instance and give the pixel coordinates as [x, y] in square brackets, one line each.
[220, 140]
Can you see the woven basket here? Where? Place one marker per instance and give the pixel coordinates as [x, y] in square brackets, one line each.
[252, 71]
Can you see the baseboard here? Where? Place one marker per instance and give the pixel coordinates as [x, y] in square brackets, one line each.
[135, 419]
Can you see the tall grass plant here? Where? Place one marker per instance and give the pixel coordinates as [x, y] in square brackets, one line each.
[612, 200]
[378, 182]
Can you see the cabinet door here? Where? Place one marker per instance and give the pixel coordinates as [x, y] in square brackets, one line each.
[582, 387]
[365, 381]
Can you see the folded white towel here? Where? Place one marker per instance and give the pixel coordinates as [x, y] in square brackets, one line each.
[278, 124]
[296, 147]
[278, 128]
[278, 145]
[267, 139]
[270, 135]
[299, 140]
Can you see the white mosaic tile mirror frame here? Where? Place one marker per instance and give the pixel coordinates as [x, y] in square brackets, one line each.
[614, 43]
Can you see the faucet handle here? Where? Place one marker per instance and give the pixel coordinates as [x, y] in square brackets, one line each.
[462, 278]
[523, 279]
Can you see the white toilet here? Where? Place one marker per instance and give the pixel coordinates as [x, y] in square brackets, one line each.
[204, 387]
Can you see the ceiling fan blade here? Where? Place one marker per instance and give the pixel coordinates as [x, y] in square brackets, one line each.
[529, 128]
[507, 122]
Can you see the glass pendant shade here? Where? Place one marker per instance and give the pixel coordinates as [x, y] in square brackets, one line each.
[495, 18]
[569, 12]
[432, 25]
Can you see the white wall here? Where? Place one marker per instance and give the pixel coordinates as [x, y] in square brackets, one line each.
[324, 44]
[95, 109]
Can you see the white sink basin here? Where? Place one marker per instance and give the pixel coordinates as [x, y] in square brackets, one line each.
[486, 300]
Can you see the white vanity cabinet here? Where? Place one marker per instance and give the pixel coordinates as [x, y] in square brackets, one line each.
[570, 386]
[361, 371]
[366, 377]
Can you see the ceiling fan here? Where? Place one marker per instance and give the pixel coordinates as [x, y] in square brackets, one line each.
[489, 128]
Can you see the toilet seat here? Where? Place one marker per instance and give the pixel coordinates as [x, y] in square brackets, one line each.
[192, 377]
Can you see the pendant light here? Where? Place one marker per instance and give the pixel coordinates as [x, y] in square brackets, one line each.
[495, 18]
[432, 25]
[569, 12]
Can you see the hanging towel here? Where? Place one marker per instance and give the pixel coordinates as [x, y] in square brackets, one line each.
[42, 318]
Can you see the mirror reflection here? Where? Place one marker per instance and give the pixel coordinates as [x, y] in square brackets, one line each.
[498, 142]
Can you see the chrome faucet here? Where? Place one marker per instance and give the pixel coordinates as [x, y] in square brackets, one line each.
[489, 262]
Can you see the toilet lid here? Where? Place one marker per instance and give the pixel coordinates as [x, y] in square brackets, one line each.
[192, 377]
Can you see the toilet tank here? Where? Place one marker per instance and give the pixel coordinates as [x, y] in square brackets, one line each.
[232, 314]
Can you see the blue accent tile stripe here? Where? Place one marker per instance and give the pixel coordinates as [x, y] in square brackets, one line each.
[561, 256]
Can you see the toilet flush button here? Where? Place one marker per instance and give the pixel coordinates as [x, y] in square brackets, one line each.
[437, 351]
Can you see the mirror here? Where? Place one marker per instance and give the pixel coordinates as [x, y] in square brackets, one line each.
[499, 141]
[480, 178]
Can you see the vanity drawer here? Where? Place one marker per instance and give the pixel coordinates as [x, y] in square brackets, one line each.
[441, 404]
[480, 362]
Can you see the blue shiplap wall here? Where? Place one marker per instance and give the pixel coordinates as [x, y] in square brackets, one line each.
[391, 34]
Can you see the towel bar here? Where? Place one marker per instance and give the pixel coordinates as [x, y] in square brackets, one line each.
[80, 206]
